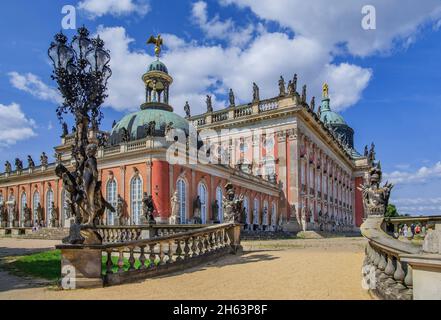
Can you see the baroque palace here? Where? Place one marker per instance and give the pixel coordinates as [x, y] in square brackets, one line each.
[296, 167]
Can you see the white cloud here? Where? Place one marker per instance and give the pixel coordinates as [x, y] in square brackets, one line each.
[339, 22]
[216, 29]
[202, 69]
[15, 125]
[30, 83]
[422, 175]
[98, 8]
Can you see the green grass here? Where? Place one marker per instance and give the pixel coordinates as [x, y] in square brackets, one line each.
[44, 265]
[47, 265]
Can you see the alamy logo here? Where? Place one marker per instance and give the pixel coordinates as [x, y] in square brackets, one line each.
[69, 21]
[68, 278]
[369, 21]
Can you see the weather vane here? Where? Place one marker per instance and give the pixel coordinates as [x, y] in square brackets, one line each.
[157, 42]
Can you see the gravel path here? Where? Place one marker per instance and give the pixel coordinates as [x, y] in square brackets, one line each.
[276, 269]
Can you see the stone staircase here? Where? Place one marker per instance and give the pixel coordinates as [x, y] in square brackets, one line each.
[48, 234]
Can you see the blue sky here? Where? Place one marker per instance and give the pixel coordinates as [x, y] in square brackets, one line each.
[385, 81]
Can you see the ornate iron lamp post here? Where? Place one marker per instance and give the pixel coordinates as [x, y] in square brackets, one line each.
[81, 70]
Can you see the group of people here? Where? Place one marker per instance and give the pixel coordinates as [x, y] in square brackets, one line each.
[409, 231]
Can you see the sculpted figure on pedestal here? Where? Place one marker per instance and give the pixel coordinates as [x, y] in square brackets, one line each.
[174, 217]
[375, 198]
[148, 207]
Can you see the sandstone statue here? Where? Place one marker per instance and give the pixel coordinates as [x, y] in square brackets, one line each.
[174, 217]
[148, 207]
[375, 198]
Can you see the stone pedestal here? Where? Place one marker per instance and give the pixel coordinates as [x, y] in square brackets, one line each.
[80, 268]
[2, 232]
[15, 232]
[234, 235]
[426, 275]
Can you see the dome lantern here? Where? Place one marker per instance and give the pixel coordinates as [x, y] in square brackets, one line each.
[157, 80]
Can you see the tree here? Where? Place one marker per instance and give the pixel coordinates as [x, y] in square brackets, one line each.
[391, 211]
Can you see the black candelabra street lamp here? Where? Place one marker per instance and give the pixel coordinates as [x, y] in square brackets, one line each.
[81, 70]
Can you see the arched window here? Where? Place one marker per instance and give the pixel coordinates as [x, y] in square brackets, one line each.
[136, 199]
[35, 202]
[246, 205]
[256, 211]
[111, 196]
[49, 201]
[23, 203]
[181, 187]
[274, 214]
[203, 196]
[219, 196]
[265, 213]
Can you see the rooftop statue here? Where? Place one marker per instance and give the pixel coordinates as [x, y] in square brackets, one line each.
[8, 167]
[18, 164]
[209, 103]
[282, 91]
[31, 163]
[65, 130]
[256, 96]
[304, 94]
[375, 198]
[312, 104]
[157, 41]
[291, 90]
[44, 159]
[187, 110]
[231, 98]
[294, 83]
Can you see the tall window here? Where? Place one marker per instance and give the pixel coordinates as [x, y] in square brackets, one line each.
[35, 202]
[256, 211]
[49, 200]
[181, 187]
[1, 198]
[246, 205]
[136, 199]
[111, 195]
[219, 202]
[23, 202]
[274, 214]
[203, 196]
[265, 213]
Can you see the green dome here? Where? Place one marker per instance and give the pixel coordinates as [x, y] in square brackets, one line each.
[328, 116]
[157, 66]
[331, 117]
[136, 123]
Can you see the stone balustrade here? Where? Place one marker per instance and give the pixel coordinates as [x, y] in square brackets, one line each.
[138, 259]
[384, 272]
[118, 234]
